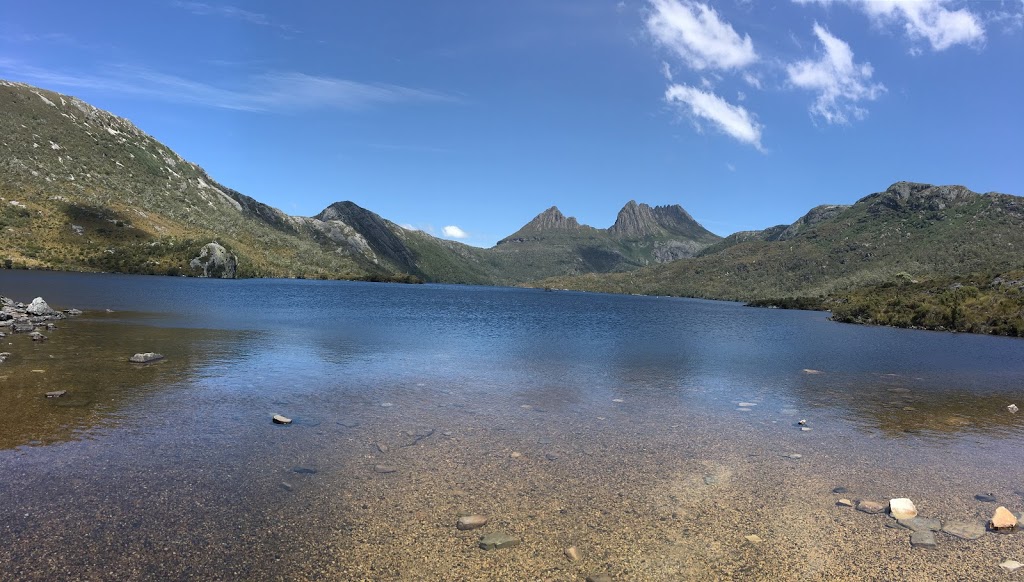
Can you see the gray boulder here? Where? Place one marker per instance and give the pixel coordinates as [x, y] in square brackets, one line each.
[39, 307]
[216, 262]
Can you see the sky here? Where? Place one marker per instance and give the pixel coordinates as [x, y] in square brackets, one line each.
[467, 118]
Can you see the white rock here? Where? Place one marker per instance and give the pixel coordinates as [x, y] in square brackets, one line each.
[39, 307]
[1012, 408]
[902, 508]
[1011, 565]
[278, 419]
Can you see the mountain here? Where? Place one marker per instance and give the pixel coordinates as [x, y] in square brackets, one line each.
[910, 231]
[552, 244]
[82, 189]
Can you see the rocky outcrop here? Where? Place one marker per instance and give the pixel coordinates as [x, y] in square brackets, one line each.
[915, 196]
[215, 262]
[817, 215]
[637, 221]
[356, 226]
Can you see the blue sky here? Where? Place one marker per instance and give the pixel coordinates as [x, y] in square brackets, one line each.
[479, 115]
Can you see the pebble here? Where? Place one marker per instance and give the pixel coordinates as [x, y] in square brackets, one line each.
[743, 409]
[1012, 408]
[902, 508]
[1011, 565]
[278, 419]
[286, 486]
[145, 358]
[921, 523]
[56, 393]
[599, 578]
[468, 522]
[747, 404]
[515, 454]
[805, 428]
[985, 497]
[385, 469]
[572, 553]
[753, 538]
[810, 371]
[386, 404]
[844, 503]
[304, 470]
[968, 530]
[840, 489]
[617, 400]
[382, 447]
[923, 539]
[498, 541]
[872, 507]
[1003, 521]
[710, 479]
[794, 456]
[551, 456]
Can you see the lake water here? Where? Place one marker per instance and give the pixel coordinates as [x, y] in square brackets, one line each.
[610, 423]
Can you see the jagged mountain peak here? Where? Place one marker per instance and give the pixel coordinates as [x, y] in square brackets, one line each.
[639, 220]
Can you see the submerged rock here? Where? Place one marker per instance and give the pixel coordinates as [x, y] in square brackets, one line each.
[968, 530]
[385, 469]
[145, 358]
[1011, 565]
[468, 522]
[278, 419]
[498, 541]
[902, 508]
[923, 539]
[871, 507]
[921, 523]
[56, 393]
[1003, 521]
[985, 497]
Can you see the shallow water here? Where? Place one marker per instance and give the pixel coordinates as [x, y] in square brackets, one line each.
[625, 412]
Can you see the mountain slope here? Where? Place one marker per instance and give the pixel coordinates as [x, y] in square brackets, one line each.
[84, 189]
[916, 230]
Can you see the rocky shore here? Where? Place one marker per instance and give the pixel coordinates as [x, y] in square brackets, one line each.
[32, 319]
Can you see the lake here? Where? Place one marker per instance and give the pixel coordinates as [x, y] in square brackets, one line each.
[652, 434]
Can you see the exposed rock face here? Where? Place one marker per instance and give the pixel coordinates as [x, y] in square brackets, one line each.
[550, 221]
[366, 227]
[816, 215]
[216, 262]
[917, 196]
[640, 220]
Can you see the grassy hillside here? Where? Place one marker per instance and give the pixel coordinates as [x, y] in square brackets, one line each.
[81, 189]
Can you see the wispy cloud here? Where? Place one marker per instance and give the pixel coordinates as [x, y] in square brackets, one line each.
[733, 120]
[840, 82]
[278, 92]
[231, 13]
[928, 20]
[695, 33]
[453, 231]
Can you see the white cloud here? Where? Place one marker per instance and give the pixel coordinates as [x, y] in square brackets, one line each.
[732, 120]
[269, 92]
[922, 20]
[839, 82]
[752, 80]
[454, 232]
[696, 34]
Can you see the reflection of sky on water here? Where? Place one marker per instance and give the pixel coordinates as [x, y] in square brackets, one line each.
[558, 349]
